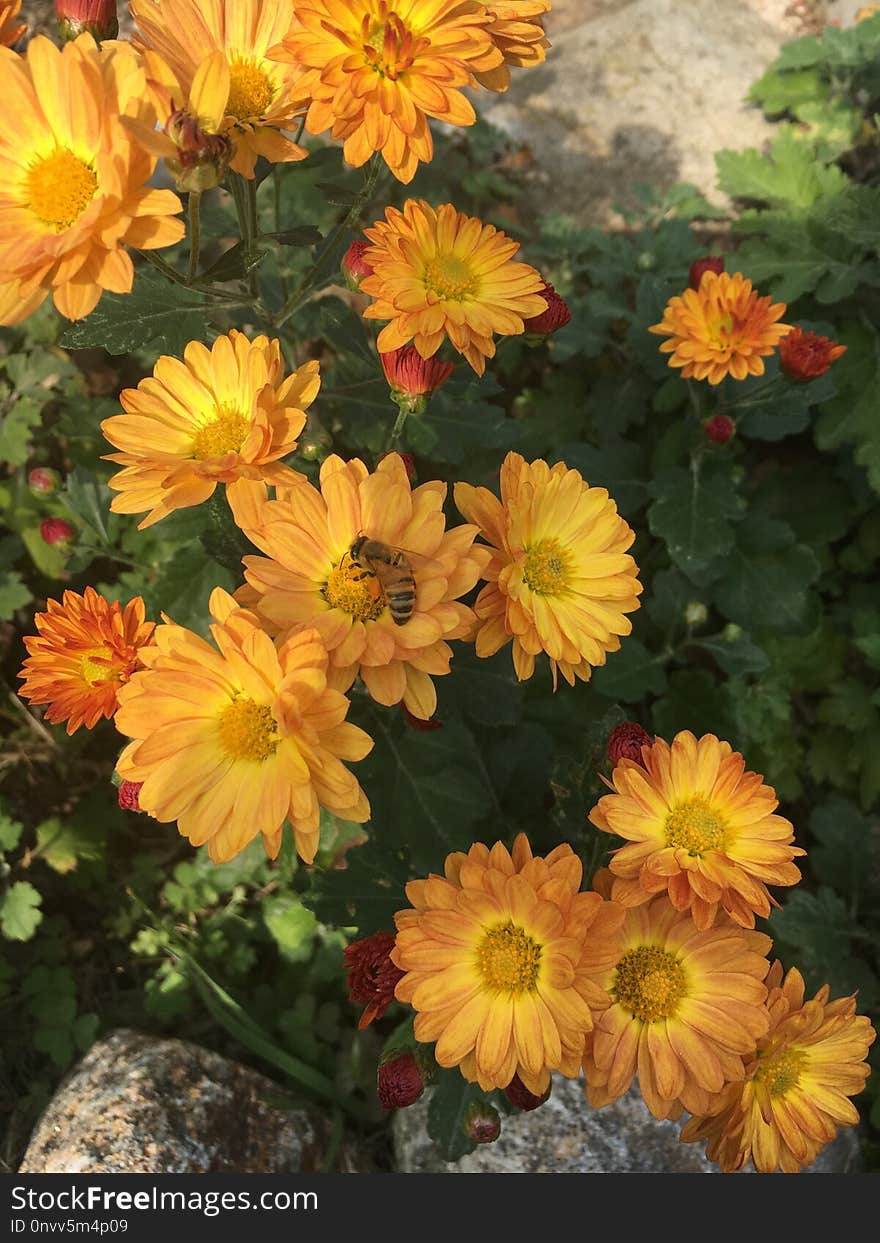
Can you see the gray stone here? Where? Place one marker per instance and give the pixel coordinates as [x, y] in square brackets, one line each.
[644, 92]
[136, 1104]
[566, 1136]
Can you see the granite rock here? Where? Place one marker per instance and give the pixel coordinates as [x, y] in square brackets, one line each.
[136, 1104]
[643, 92]
[566, 1136]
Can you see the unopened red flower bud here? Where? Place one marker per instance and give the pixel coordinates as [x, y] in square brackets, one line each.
[519, 1095]
[719, 429]
[557, 314]
[412, 378]
[482, 1123]
[711, 263]
[96, 17]
[416, 722]
[127, 794]
[43, 481]
[805, 355]
[399, 1080]
[354, 266]
[372, 976]
[57, 532]
[625, 742]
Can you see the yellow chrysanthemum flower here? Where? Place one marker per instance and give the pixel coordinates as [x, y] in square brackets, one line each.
[502, 960]
[375, 70]
[797, 1084]
[560, 579]
[699, 827]
[264, 98]
[686, 1006]
[310, 578]
[87, 649]
[222, 414]
[438, 273]
[231, 742]
[73, 184]
[10, 29]
[723, 328]
[518, 33]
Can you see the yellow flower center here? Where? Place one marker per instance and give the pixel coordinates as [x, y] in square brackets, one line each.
[508, 959]
[223, 434]
[450, 277]
[248, 730]
[251, 90]
[60, 187]
[96, 666]
[696, 827]
[355, 591]
[781, 1072]
[720, 329]
[649, 982]
[545, 569]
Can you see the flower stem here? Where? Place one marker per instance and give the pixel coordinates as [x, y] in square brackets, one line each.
[397, 429]
[308, 281]
[195, 235]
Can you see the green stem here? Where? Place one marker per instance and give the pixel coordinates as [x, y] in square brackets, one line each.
[219, 295]
[279, 249]
[165, 268]
[397, 429]
[308, 281]
[195, 235]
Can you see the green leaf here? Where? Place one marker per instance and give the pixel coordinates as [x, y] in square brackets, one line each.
[366, 892]
[487, 689]
[10, 832]
[789, 176]
[619, 465]
[291, 924]
[766, 580]
[842, 855]
[57, 1042]
[450, 1096]
[692, 701]
[300, 235]
[736, 656]
[88, 499]
[14, 594]
[769, 408]
[156, 312]
[694, 512]
[630, 674]
[16, 427]
[64, 844]
[19, 911]
[184, 585]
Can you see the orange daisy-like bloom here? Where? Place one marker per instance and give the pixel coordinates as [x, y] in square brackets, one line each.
[502, 960]
[263, 97]
[560, 579]
[723, 328]
[438, 273]
[311, 579]
[86, 651]
[797, 1083]
[222, 414]
[518, 33]
[10, 30]
[375, 70]
[73, 184]
[686, 1006]
[230, 743]
[699, 827]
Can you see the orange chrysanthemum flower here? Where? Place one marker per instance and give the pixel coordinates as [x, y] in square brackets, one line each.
[438, 273]
[375, 70]
[686, 1006]
[222, 414]
[723, 328]
[73, 184]
[263, 98]
[502, 959]
[10, 30]
[700, 827]
[560, 579]
[311, 578]
[518, 33]
[230, 743]
[797, 1083]
[86, 651]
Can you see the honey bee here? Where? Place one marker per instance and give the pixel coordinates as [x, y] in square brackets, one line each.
[392, 568]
